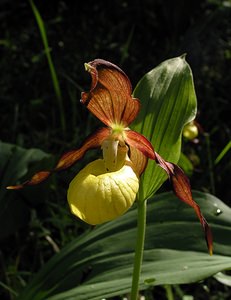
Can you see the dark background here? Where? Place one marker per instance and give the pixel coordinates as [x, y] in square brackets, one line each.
[137, 36]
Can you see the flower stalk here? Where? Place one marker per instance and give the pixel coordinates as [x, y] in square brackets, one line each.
[141, 226]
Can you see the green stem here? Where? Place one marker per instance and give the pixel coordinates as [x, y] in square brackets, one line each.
[223, 152]
[169, 292]
[141, 226]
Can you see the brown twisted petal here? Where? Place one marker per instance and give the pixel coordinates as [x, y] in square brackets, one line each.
[109, 98]
[68, 159]
[182, 190]
[140, 142]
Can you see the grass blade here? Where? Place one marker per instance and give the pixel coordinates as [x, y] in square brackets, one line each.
[54, 77]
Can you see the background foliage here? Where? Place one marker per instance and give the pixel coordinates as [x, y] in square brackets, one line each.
[137, 35]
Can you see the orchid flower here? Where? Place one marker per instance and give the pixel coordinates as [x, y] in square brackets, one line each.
[106, 188]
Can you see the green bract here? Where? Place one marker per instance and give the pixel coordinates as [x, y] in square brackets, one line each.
[168, 102]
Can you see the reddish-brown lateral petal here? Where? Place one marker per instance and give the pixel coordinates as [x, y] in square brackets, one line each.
[68, 159]
[140, 142]
[109, 98]
[35, 179]
[93, 141]
[182, 190]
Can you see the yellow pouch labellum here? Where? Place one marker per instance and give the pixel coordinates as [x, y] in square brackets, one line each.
[97, 196]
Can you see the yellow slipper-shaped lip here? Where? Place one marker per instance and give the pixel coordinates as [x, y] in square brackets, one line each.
[97, 196]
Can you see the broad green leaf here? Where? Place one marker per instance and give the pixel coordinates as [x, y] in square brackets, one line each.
[168, 102]
[223, 278]
[14, 165]
[99, 263]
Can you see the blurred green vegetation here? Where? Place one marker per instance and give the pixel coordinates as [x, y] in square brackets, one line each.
[136, 35]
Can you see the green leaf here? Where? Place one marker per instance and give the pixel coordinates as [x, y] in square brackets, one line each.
[168, 102]
[14, 165]
[99, 263]
[223, 278]
[185, 164]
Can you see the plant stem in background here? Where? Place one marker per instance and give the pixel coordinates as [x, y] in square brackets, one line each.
[223, 153]
[141, 226]
[54, 77]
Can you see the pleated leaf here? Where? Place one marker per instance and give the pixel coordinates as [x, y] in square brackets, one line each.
[99, 263]
[168, 102]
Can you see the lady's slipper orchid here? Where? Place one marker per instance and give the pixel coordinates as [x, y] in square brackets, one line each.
[107, 187]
